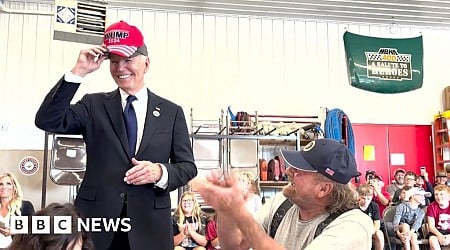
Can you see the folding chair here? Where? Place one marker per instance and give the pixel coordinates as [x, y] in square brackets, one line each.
[68, 162]
[388, 217]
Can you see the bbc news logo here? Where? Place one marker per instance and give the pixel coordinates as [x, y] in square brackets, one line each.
[63, 225]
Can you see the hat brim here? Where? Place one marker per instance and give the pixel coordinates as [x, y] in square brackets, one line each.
[426, 194]
[127, 51]
[296, 160]
[399, 170]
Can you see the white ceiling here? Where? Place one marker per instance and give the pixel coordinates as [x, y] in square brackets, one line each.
[434, 13]
[431, 13]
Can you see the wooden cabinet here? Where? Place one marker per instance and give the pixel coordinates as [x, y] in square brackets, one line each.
[441, 146]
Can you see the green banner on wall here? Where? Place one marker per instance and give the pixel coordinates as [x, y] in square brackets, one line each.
[384, 65]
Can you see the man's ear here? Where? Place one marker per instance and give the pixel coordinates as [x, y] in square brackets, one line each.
[147, 64]
[325, 189]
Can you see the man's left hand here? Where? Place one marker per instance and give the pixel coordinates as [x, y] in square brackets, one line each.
[143, 172]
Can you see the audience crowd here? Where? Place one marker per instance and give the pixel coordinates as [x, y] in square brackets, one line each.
[422, 211]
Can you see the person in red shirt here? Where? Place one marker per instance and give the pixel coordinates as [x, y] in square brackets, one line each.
[380, 196]
[211, 234]
[438, 217]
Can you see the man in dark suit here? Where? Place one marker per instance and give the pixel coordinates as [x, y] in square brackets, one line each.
[122, 181]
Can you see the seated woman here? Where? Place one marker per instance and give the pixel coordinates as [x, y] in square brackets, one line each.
[189, 223]
[252, 200]
[11, 203]
[77, 240]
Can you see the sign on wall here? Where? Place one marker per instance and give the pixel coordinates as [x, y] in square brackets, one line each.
[29, 165]
[384, 65]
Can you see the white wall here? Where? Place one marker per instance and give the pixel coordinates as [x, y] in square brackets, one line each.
[207, 62]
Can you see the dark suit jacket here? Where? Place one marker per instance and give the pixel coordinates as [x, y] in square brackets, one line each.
[98, 117]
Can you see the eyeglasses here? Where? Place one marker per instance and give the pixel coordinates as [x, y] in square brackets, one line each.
[410, 179]
[187, 200]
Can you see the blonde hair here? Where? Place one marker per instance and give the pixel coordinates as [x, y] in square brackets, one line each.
[196, 211]
[254, 187]
[17, 196]
[442, 187]
[364, 190]
[343, 196]
[250, 177]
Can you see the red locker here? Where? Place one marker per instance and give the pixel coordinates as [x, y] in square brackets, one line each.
[394, 146]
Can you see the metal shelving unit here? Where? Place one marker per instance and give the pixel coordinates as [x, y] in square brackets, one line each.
[256, 137]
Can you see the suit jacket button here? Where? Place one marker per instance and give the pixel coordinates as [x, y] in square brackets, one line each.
[122, 195]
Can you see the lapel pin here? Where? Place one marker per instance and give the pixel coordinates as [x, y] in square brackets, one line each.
[156, 112]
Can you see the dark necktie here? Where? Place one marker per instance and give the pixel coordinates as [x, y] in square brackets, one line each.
[131, 124]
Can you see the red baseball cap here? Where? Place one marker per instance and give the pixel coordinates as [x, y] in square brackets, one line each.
[399, 170]
[124, 40]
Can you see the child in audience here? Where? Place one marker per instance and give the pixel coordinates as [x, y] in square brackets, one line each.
[368, 206]
[422, 181]
[408, 218]
[438, 217]
[410, 181]
[211, 234]
[380, 196]
[403, 197]
[252, 200]
[441, 178]
[189, 223]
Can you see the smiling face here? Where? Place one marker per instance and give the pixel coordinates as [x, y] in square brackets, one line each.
[187, 204]
[128, 72]
[6, 187]
[399, 178]
[304, 187]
